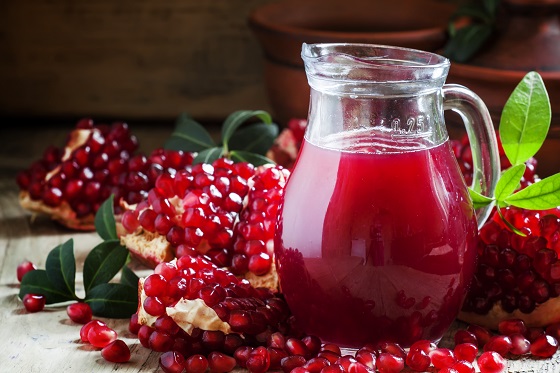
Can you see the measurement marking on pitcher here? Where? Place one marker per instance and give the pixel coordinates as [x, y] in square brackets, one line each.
[413, 126]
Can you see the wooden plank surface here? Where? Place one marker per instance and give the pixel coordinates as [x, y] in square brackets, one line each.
[48, 341]
[137, 58]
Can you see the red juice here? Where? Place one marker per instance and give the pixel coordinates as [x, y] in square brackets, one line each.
[375, 243]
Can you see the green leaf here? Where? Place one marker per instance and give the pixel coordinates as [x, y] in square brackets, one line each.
[129, 278]
[112, 300]
[509, 225]
[189, 135]
[256, 159]
[105, 220]
[237, 118]
[61, 268]
[209, 155]
[508, 183]
[255, 138]
[37, 282]
[479, 200]
[103, 262]
[542, 195]
[525, 119]
[491, 6]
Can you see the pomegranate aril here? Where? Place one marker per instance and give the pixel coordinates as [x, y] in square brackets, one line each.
[154, 306]
[172, 362]
[491, 362]
[220, 363]
[295, 346]
[463, 366]
[24, 267]
[276, 356]
[418, 360]
[258, 360]
[144, 334]
[389, 363]
[116, 352]
[34, 302]
[520, 344]
[366, 357]
[100, 335]
[544, 346]
[482, 334]
[393, 349]
[465, 351]
[499, 343]
[464, 336]
[442, 357]
[196, 363]
[213, 340]
[313, 344]
[133, 325]
[80, 313]
[291, 362]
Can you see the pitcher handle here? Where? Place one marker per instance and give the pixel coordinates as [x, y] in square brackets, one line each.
[482, 138]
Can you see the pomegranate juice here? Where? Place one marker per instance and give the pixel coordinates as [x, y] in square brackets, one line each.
[375, 245]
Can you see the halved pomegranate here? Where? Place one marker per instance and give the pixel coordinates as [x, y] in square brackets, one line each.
[194, 302]
[224, 210]
[98, 160]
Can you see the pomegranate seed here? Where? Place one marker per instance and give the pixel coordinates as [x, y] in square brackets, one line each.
[463, 366]
[289, 363]
[242, 354]
[418, 360]
[333, 368]
[160, 341]
[258, 360]
[116, 352]
[366, 357]
[85, 329]
[329, 355]
[295, 346]
[520, 344]
[464, 336]
[79, 312]
[220, 363]
[500, 344]
[172, 362]
[512, 326]
[424, 345]
[144, 334]
[482, 334]
[544, 346]
[276, 356]
[393, 349]
[442, 358]
[23, 268]
[388, 363]
[133, 325]
[448, 370]
[331, 347]
[213, 340]
[196, 364]
[300, 370]
[154, 306]
[276, 340]
[466, 351]
[313, 344]
[34, 302]
[491, 362]
[100, 335]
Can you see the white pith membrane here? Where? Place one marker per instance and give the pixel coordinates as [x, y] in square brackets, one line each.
[62, 213]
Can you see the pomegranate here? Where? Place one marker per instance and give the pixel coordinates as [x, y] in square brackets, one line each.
[80, 313]
[34, 302]
[98, 160]
[191, 299]
[24, 267]
[116, 352]
[224, 210]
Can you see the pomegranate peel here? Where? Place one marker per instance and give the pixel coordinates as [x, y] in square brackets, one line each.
[191, 314]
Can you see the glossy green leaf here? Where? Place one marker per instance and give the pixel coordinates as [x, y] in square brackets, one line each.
[103, 262]
[105, 220]
[508, 182]
[237, 118]
[256, 159]
[112, 300]
[189, 135]
[37, 282]
[61, 268]
[479, 200]
[467, 41]
[255, 138]
[209, 155]
[525, 119]
[129, 278]
[542, 195]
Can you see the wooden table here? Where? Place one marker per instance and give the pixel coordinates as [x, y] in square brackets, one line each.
[48, 341]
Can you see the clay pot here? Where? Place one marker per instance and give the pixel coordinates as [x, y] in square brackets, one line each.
[282, 27]
[527, 39]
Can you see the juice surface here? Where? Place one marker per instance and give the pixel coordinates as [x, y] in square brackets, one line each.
[374, 246]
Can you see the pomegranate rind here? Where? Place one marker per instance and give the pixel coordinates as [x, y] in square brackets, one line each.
[148, 248]
[63, 214]
[543, 315]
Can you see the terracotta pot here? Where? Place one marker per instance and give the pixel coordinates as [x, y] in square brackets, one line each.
[527, 39]
[281, 28]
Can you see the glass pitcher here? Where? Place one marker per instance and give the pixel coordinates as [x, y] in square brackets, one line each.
[376, 238]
